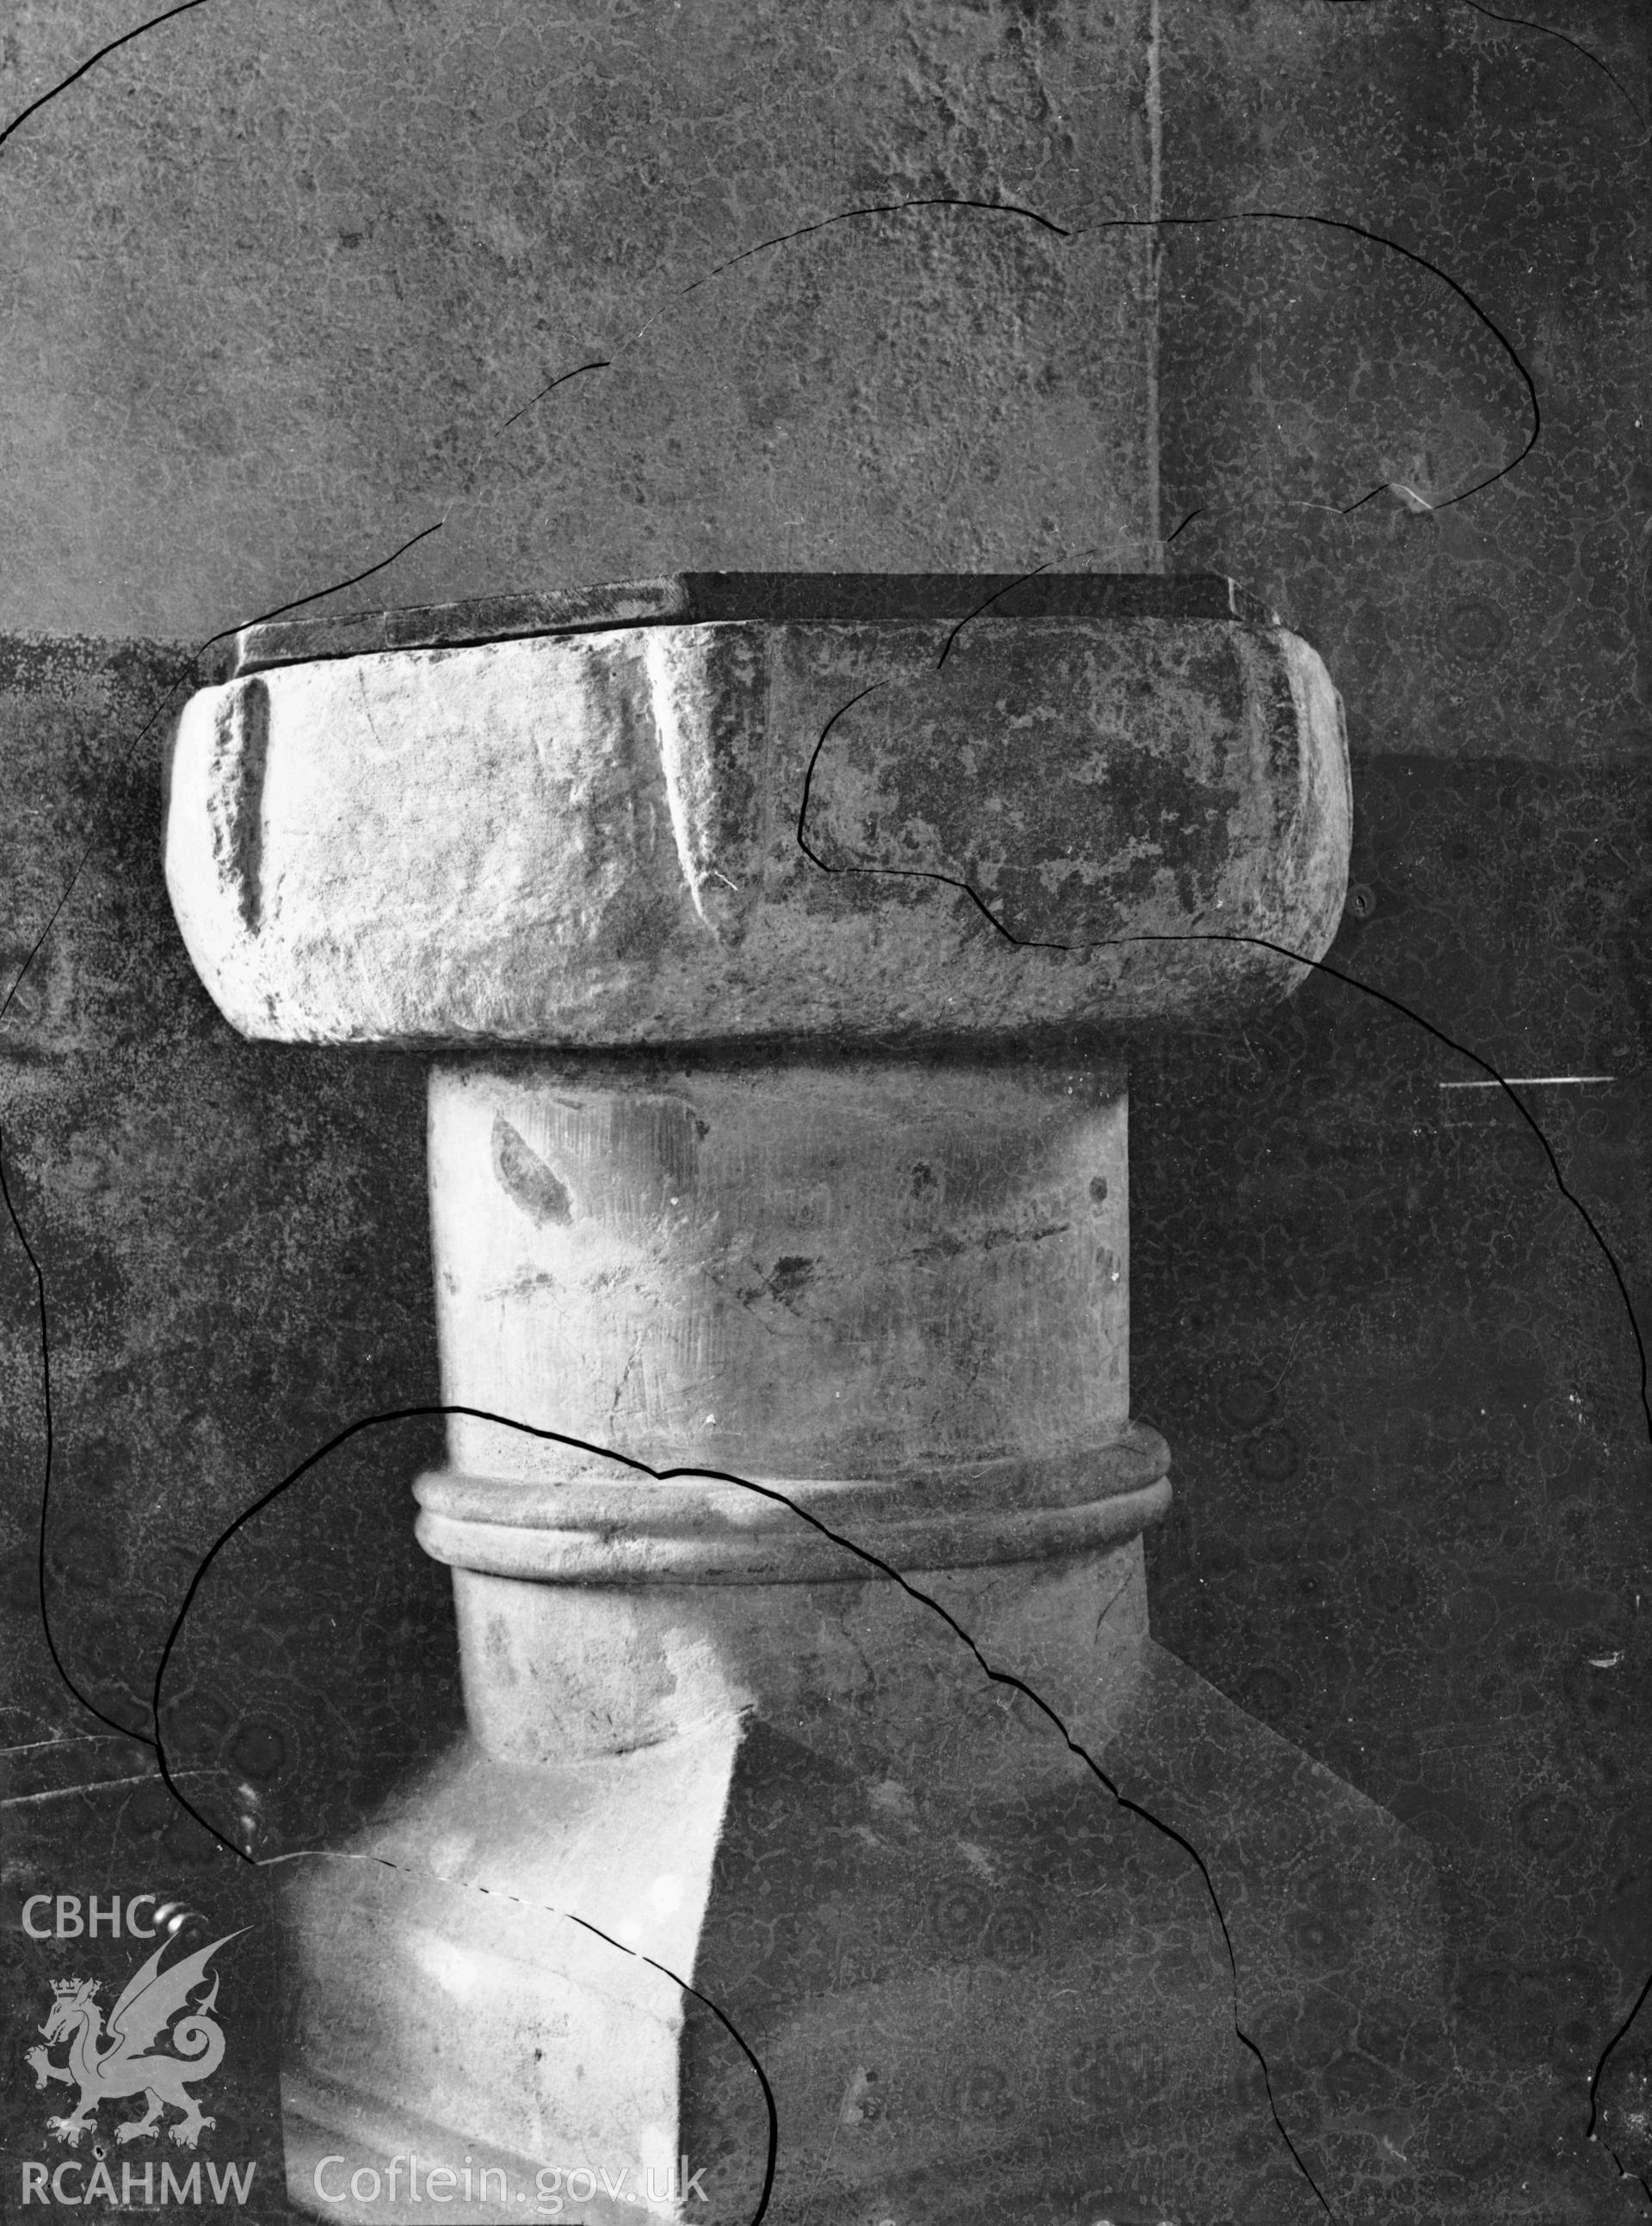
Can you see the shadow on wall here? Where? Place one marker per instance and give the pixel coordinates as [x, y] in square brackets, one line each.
[235, 1243]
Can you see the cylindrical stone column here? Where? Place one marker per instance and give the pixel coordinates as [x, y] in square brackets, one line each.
[775, 961]
[900, 1286]
[896, 1291]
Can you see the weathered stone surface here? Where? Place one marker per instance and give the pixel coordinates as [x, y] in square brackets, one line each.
[229, 386]
[292, 294]
[671, 832]
[897, 1883]
[488, 2019]
[834, 1269]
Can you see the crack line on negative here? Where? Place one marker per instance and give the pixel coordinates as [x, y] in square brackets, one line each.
[1396, 1004]
[994, 1675]
[921, 202]
[881, 208]
[545, 1909]
[1526, 23]
[125, 756]
[1008, 1679]
[155, 1741]
[46, 1481]
[91, 62]
[570, 1916]
[1151, 223]
[1548, 30]
[606, 362]
[1411, 255]
[986, 603]
[597, 363]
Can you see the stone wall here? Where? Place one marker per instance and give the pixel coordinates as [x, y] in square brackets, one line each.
[285, 275]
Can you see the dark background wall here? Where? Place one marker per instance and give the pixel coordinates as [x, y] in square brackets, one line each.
[1397, 1374]
[288, 276]
[1401, 1382]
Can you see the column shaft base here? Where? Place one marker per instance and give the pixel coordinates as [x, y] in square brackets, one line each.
[976, 1984]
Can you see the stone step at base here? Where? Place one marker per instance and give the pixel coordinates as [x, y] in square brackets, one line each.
[971, 1989]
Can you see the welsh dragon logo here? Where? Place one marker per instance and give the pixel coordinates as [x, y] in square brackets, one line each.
[111, 2062]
